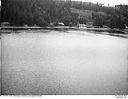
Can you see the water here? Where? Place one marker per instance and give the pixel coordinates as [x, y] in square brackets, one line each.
[72, 62]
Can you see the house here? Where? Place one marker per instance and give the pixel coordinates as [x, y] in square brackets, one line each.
[5, 24]
[60, 24]
[105, 26]
[89, 24]
[82, 25]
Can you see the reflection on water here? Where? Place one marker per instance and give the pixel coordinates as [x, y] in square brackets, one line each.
[64, 63]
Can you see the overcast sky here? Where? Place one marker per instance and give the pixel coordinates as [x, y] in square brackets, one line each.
[106, 2]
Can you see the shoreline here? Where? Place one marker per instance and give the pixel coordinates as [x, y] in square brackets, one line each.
[62, 27]
[105, 31]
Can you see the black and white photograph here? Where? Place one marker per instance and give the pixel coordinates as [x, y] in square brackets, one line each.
[63, 47]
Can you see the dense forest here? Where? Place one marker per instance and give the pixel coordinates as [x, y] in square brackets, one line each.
[45, 12]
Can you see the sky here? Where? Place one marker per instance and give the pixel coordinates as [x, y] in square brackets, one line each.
[106, 2]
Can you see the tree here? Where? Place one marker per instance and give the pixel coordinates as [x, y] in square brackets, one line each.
[99, 21]
[42, 12]
[117, 22]
[40, 17]
[82, 20]
[67, 19]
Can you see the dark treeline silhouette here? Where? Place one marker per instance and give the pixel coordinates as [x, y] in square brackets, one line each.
[44, 12]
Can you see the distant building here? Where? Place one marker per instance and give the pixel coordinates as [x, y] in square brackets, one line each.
[60, 24]
[105, 26]
[25, 25]
[51, 24]
[126, 27]
[82, 25]
[5, 24]
[89, 25]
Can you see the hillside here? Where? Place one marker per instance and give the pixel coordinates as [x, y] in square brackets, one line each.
[83, 13]
[43, 13]
[90, 16]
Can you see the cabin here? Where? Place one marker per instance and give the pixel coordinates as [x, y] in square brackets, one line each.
[82, 25]
[105, 26]
[5, 24]
[89, 25]
[60, 24]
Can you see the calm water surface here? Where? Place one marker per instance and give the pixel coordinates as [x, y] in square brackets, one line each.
[72, 62]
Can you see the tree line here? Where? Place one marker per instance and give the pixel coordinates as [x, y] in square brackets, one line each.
[44, 12]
